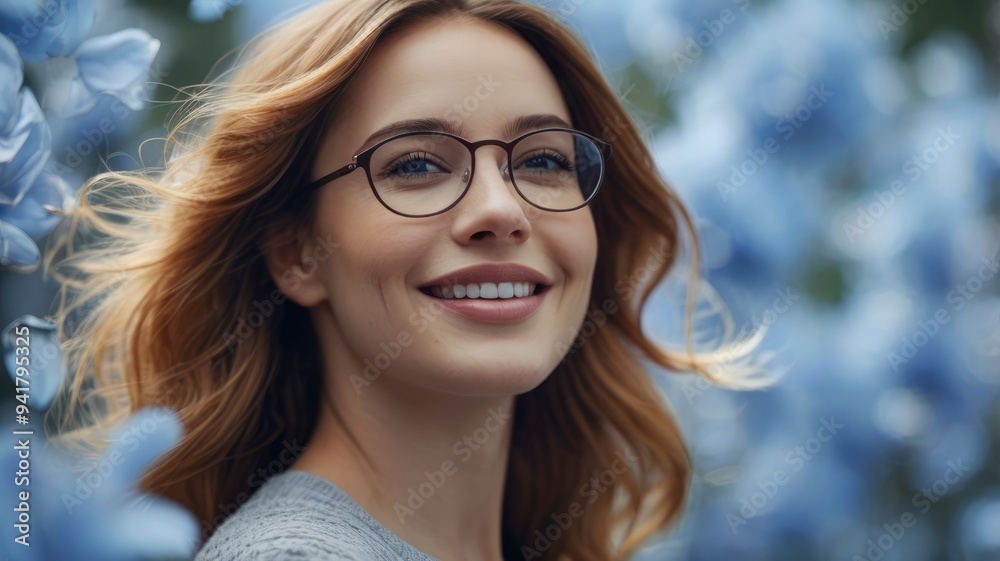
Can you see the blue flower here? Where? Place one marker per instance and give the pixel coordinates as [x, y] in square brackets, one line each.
[25, 147]
[42, 206]
[203, 11]
[100, 515]
[115, 65]
[46, 28]
[32, 344]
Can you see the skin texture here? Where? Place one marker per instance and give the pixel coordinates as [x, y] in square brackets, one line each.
[456, 375]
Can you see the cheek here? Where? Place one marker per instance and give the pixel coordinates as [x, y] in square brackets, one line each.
[579, 237]
[377, 253]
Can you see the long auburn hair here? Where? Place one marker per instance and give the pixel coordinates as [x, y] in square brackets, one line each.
[174, 264]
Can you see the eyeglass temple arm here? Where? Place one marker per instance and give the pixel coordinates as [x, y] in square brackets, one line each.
[331, 176]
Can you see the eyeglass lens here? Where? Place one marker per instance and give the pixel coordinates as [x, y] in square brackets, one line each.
[426, 173]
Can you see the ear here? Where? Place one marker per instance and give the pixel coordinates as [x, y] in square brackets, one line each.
[291, 268]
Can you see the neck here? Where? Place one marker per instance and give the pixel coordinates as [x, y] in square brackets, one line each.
[428, 466]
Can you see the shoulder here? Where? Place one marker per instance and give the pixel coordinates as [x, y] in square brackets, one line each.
[296, 515]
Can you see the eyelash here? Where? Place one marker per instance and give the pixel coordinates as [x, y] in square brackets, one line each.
[557, 157]
[411, 157]
[420, 156]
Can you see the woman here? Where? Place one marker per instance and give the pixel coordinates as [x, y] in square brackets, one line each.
[415, 236]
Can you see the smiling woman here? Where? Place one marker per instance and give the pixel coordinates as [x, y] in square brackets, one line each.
[418, 199]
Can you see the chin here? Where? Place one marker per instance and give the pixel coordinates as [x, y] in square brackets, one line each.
[489, 377]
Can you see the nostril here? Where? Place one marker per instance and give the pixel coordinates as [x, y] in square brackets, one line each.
[482, 235]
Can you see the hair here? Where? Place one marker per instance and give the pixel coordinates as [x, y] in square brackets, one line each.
[174, 267]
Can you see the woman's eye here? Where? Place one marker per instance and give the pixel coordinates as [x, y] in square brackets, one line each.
[413, 165]
[547, 162]
[541, 162]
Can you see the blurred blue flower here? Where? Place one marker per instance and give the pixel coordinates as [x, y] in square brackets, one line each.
[46, 28]
[101, 515]
[115, 65]
[40, 209]
[203, 11]
[16, 248]
[34, 342]
[25, 147]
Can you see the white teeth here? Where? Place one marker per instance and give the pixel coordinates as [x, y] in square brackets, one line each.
[488, 290]
[485, 290]
[505, 290]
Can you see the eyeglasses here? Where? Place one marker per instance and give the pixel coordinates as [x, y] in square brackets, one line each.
[419, 174]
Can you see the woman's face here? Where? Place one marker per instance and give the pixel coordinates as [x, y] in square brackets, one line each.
[371, 290]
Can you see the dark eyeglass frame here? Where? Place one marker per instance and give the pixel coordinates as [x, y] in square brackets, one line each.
[363, 160]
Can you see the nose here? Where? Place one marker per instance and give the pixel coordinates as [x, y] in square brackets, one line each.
[491, 211]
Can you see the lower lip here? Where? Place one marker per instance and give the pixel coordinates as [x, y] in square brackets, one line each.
[493, 310]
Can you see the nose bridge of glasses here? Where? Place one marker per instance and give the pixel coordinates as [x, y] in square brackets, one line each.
[501, 151]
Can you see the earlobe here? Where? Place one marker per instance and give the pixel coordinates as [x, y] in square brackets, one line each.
[293, 271]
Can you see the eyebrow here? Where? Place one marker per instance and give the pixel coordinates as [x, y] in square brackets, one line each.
[512, 129]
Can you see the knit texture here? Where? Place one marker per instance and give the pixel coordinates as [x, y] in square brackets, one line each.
[298, 515]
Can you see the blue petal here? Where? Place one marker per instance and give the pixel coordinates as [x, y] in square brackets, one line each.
[78, 20]
[16, 248]
[12, 69]
[203, 11]
[41, 29]
[151, 527]
[45, 358]
[117, 64]
[16, 17]
[31, 214]
[148, 434]
[24, 153]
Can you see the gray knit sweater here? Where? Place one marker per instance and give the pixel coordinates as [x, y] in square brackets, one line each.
[298, 515]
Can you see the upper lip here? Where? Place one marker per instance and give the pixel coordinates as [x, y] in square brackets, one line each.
[490, 272]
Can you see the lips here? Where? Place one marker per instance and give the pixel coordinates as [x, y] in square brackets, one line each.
[490, 293]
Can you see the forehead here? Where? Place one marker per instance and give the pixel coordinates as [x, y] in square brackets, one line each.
[475, 75]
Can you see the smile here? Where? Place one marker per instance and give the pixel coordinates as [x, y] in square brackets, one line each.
[490, 292]
[485, 290]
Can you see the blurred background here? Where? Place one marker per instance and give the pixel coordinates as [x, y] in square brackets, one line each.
[842, 158]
